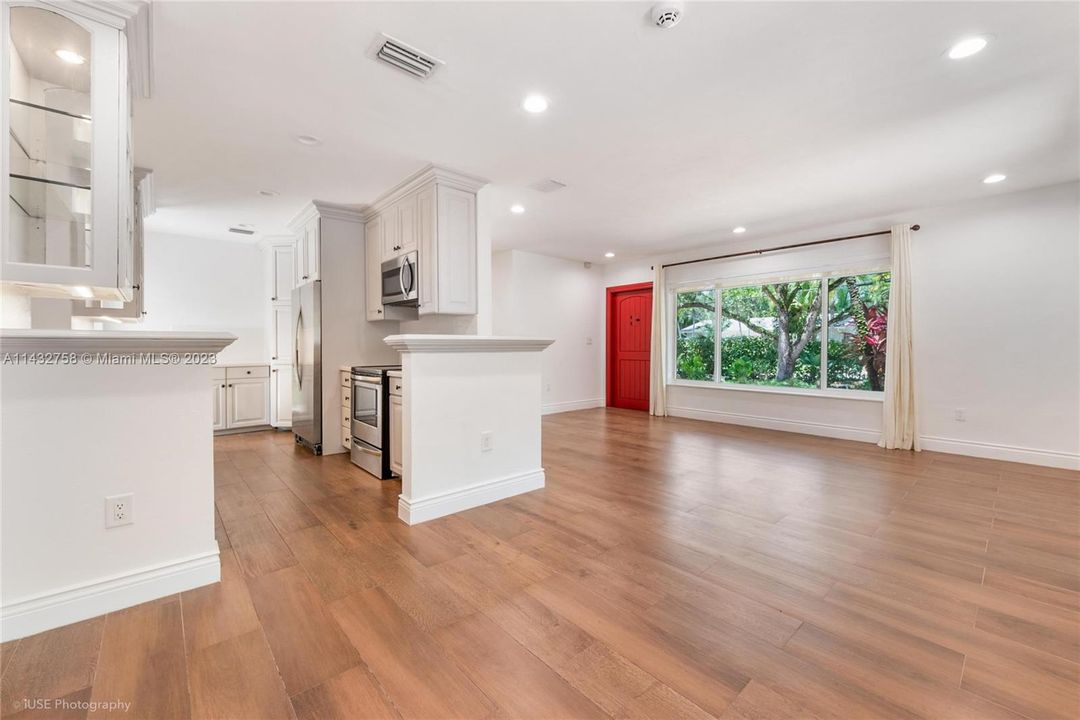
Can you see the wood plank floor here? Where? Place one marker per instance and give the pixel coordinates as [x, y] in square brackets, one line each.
[670, 569]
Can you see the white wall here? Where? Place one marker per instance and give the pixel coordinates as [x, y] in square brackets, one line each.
[546, 297]
[450, 399]
[73, 435]
[996, 285]
[200, 284]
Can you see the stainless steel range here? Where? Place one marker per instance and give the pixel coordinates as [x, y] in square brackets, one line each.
[370, 424]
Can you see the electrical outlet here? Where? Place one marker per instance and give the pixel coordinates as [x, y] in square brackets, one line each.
[487, 441]
[960, 415]
[119, 510]
[547, 387]
[588, 341]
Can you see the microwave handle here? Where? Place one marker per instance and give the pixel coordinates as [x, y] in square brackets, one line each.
[405, 291]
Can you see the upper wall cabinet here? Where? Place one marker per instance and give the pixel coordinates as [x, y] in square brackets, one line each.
[306, 255]
[70, 225]
[133, 310]
[282, 272]
[434, 213]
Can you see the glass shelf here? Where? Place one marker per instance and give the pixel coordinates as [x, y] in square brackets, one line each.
[36, 198]
[55, 138]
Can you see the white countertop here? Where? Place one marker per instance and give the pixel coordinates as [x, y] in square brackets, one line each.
[420, 343]
[124, 341]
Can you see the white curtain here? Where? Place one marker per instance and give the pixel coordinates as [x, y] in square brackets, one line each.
[900, 427]
[657, 357]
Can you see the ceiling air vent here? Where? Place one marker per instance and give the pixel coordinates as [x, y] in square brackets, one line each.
[241, 230]
[404, 57]
[547, 186]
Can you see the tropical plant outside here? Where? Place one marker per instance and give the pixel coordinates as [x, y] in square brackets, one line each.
[771, 334]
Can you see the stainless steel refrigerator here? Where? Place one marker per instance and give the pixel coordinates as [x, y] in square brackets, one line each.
[307, 365]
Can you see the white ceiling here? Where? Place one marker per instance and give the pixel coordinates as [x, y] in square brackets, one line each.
[776, 116]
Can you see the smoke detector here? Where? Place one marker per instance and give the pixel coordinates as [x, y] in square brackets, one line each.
[666, 15]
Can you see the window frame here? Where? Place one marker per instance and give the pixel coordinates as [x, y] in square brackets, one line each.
[718, 383]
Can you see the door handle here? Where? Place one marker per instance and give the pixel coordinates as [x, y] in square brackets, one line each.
[401, 279]
[296, 348]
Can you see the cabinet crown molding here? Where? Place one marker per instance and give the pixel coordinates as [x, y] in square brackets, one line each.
[424, 176]
[321, 208]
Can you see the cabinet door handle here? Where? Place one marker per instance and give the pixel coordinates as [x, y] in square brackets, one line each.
[379, 311]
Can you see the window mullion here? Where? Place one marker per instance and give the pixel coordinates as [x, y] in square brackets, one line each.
[823, 379]
[718, 327]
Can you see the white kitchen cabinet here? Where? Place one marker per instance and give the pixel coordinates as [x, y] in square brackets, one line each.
[67, 127]
[282, 273]
[281, 347]
[281, 396]
[426, 220]
[433, 211]
[395, 434]
[373, 251]
[452, 261]
[307, 252]
[391, 231]
[247, 403]
[401, 233]
[241, 397]
[218, 395]
[133, 310]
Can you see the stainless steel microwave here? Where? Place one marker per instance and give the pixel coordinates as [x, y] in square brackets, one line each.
[401, 281]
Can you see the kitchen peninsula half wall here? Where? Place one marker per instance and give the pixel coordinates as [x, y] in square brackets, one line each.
[471, 410]
[107, 471]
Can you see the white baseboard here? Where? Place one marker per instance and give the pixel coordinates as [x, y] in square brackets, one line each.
[1009, 453]
[80, 602]
[571, 405]
[992, 451]
[842, 432]
[436, 506]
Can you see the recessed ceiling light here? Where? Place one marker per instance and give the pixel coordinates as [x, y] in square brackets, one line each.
[609, 254]
[268, 193]
[70, 56]
[739, 230]
[994, 178]
[535, 103]
[967, 47]
[308, 140]
[517, 209]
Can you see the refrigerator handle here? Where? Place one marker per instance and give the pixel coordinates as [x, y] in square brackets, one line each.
[296, 347]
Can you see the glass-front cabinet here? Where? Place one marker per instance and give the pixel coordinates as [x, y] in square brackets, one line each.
[69, 222]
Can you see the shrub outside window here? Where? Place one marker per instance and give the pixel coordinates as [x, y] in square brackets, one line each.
[785, 334]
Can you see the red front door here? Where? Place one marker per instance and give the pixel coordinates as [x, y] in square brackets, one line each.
[629, 343]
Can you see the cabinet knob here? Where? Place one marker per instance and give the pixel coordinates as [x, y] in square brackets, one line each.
[305, 277]
[274, 358]
[379, 311]
[230, 385]
[222, 386]
[274, 370]
[273, 298]
[248, 372]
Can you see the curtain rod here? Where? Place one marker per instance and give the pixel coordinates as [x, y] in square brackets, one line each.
[783, 247]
